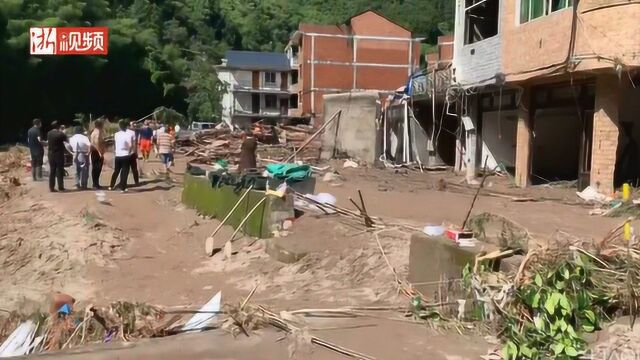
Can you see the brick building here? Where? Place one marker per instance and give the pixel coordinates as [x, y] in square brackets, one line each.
[549, 89]
[368, 52]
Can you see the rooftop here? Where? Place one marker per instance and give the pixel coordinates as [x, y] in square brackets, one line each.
[255, 60]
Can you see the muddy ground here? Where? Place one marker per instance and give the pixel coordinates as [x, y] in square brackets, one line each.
[146, 246]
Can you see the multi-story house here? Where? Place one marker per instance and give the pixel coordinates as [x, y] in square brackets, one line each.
[549, 89]
[257, 86]
[368, 52]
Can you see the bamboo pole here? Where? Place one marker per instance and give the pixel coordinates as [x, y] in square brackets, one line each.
[209, 243]
[255, 207]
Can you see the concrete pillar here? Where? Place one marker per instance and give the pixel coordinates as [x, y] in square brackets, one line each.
[524, 139]
[471, 155]
[605, 132]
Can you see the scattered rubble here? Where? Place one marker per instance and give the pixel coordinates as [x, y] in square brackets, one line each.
[275, 143]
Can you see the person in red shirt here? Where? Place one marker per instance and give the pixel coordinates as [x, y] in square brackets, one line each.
[146, 140]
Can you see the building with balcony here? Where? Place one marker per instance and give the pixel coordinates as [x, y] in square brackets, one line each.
[548, 89]
[367, 52]
[257, 87]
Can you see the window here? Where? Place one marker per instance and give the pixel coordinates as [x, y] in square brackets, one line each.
[294, 77]
[270, 102]
[270, 78]
[293, 101]
[533, 9]
[481, 20]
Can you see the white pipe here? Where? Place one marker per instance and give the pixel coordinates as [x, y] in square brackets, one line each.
[406, 133]
[355, 64]
[410, 71]
[362, 37]
[384, 135]
[313, 74]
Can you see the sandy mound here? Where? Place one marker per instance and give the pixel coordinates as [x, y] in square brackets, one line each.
[343, 266]
[42, 250]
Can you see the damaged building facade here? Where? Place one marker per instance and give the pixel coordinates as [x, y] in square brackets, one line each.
[547, 89]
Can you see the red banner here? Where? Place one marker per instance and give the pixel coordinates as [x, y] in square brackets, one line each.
[69, 40]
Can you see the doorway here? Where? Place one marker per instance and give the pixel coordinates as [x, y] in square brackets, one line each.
[562, 116]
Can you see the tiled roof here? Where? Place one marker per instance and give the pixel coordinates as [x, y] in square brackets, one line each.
[255, 60]
[321, 29]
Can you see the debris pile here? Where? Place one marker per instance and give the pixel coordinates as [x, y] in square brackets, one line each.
[60, 329]
[12, 162]
[560, 293]
[275, 143]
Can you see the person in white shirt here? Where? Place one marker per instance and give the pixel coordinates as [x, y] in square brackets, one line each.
[133, 132]
[80, 147]
[123, 146]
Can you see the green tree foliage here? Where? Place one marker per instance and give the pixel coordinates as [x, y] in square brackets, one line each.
[161, 52]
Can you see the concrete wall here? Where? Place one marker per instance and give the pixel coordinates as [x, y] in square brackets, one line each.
[499, 138]
[475, 63]
[356, 128]
[607, 28]
[218, 202]
[227, 99]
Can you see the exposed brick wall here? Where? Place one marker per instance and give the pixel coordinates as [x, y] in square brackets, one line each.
[332, 49]
[605, 132]
[372, 24]
[371, 78]
[612, 32]
[333, 76]
[338, 49]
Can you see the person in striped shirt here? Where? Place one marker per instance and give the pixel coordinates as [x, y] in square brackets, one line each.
[165, 149]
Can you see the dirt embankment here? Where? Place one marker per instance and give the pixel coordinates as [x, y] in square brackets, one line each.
[43, 250]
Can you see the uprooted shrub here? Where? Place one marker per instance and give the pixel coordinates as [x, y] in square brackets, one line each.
[560, 295]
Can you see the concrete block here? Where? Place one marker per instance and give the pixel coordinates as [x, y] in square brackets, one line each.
[430, 258]
[279, 250]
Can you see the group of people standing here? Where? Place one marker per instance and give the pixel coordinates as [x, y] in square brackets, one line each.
[89, 152]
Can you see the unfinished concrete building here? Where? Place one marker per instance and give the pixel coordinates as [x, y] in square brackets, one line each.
[549, 89]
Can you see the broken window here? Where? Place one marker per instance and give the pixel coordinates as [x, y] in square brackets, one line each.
[293, 101]
[481, 20]
[533, 9]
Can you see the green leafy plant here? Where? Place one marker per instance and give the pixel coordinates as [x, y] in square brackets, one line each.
[552, 311]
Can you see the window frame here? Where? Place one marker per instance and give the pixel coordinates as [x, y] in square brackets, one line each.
[547, 10]
[267, 75]
[266, 105]
[469, 7]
